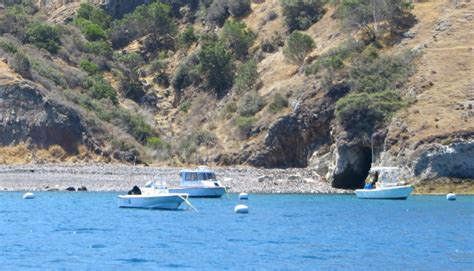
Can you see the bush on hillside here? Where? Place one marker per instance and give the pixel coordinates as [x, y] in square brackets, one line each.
[154, 19]
[278, 103]
[363, 112]
[186, 74]
[371, 72]
[95, 15]
[101, 89]
[91, 31]
[245, 125]
[100, 48]
[247, 76]
[250, 105]
[14, 21]
[21, 64]
[238, 37]
[297, 46]
[301, 14]
[215, 63]
[44, 35]
[89, 67]
[372, 17]
[187, 37]
[239, 8]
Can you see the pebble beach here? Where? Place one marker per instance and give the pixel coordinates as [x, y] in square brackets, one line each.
[107, 177]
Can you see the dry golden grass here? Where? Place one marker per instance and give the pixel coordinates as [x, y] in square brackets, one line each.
[444, 79]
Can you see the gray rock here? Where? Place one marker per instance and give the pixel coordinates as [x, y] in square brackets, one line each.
[70, 188]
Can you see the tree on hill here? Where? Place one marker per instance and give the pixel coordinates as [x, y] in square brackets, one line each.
[301, 14]
[297, 47]
[368, 15]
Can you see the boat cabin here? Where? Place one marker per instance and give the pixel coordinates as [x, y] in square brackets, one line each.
[201, 174]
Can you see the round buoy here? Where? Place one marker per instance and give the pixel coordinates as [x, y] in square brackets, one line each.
[29, 195]
[243, 196]
[241, 209]
[451, 196]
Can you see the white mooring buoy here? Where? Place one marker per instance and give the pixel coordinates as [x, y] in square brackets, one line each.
[29, 195]
[243, 196]
[451, 196]
[241, 209]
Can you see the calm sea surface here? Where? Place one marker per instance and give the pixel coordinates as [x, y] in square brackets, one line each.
[312, 232]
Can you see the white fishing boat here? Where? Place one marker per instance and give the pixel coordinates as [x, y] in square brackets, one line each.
[388, 185]
[152, 197]
[200, 182]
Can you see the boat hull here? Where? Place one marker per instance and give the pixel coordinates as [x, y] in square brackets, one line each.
[200, 192]
[165, 202]
[397, 192]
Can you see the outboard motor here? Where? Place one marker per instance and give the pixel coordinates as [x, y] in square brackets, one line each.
[135, 191]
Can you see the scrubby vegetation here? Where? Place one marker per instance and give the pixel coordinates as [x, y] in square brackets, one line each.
[138, 73]
[297, 47]
[301, 14]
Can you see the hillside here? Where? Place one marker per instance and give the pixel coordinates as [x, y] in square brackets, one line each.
[262, 83]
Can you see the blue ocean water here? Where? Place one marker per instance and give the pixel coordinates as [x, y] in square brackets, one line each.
[87, 231]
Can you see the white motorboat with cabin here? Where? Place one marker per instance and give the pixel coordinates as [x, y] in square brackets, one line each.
[387, 185]
[200, 182]
[152, 197]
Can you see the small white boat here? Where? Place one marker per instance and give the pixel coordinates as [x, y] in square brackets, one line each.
[152, 197]
[388, 185]
[201, 182]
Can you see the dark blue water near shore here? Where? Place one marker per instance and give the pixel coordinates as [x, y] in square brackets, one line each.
[312, 232]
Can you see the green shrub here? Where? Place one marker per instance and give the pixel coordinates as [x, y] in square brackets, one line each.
[251, 104]
[44, 35]
[279, 102]
[237, 37]
[363, 112]
[91, 31]
[238, 8]
[297, 47]
[245, 125]
[48, 70]
[89, 67]
[185, 106]
[21, 64]
[14, 21]
[189, 144]
[374, 73]
[101, 48]
[247, 76]
[334, 59]
[301, 14]
[95, 15]
[187, 37]
[215, 63]
[186, 74]
[101, 89]
[154, 19]
[157, 143]
[132, 60]
[8, 47]
[366, 15]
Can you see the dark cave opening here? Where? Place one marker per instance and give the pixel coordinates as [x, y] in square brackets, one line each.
[354, 175]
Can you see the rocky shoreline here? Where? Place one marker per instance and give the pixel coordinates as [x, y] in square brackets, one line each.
[109, 177]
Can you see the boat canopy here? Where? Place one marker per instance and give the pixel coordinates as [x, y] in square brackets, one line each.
[389, 175]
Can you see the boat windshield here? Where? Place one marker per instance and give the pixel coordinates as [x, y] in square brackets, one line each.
[198, 176]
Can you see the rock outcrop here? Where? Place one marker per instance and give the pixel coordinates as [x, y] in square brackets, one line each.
[28, 116]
